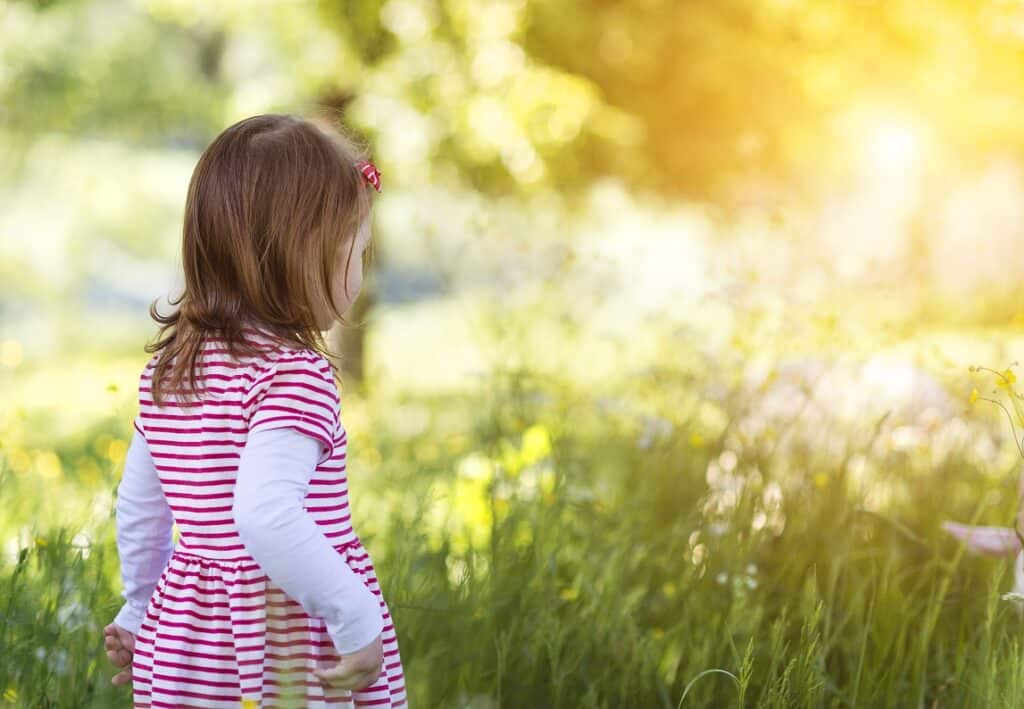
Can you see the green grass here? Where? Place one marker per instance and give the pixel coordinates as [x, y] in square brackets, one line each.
[548, 544]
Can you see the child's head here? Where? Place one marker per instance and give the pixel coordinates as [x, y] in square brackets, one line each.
[276, 220]
[272, 202]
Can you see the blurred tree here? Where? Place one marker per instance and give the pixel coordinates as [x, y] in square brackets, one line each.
[735, 90]
[510, 97]
[688, 98]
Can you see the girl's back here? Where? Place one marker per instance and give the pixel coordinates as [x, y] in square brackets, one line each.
[196, 445]
[216, 629]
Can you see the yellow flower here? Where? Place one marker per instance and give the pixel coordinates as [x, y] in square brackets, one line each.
[821, 479]
[116, 450]
[569, 594]
[1008, 379]
[40, 542]
[974, 395]
[10, 694]
[696, 440]
[536, 444]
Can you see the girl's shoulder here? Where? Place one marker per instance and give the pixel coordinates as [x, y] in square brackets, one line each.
[291, 372]
[267, 355]
[291, 357]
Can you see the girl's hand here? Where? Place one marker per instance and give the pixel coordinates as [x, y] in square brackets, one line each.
[357, 670]
[120, 645]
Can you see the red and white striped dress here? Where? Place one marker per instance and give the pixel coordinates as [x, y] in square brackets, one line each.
[217, 633]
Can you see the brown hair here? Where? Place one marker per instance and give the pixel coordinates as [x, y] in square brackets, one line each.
[271, 201]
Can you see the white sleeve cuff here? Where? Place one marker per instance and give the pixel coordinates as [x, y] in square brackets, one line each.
[130, 618]
[363, 624]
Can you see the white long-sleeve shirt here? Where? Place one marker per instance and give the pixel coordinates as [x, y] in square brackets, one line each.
[274, 471]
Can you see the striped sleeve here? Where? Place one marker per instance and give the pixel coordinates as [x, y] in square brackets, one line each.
[138, 425]
[143, 391]
[296, 391]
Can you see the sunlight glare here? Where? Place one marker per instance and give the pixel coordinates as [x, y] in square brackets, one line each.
[894, 145]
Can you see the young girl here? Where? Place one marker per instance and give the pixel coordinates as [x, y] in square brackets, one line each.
[268, 598]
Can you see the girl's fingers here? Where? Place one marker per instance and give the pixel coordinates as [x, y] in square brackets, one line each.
[126, 638]
[122, 677]
[119, 658]
[353, 682]
[119, 644]
[343, 676]
[116, 651]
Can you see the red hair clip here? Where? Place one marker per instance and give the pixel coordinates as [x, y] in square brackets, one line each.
[370, 172]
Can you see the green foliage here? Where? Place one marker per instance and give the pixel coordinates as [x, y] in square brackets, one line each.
[55, 600]
[538, 548]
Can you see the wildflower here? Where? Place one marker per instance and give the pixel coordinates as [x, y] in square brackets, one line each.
[116, 450]
[696, 440]
[699, 552]
[993, 541]
[569, 594]
[72, 614]
[536, 444]
[974, 395]
[60, 661]
[717, 529]
[820, 479]
[1008, 379]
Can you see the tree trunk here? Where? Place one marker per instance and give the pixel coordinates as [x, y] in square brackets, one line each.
[350, 341]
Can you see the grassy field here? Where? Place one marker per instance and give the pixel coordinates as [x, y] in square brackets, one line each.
[721, 523]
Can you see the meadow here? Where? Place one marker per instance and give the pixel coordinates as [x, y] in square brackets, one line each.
[670, 371]
[569, 518]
